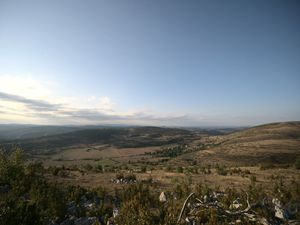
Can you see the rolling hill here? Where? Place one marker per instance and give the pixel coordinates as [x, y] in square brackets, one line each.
[118, 137]
[18, 131]
[277, 143]
[270, 143]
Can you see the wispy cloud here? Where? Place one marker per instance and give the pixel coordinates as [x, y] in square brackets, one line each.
[62, 113]
[31, 103]
[24, 99]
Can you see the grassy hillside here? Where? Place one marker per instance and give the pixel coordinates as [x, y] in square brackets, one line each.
[118, 137]
[274, 131]
[270, 143]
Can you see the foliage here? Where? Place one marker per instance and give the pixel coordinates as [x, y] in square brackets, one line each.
[172, 152]
[29, 197]
[297, 163]
[221, 170]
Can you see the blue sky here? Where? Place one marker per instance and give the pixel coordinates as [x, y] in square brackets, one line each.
[174, 63]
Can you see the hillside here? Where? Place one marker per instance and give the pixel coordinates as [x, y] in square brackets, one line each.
[118, 137]
[278, 131]
[270, 143]
[17, 131]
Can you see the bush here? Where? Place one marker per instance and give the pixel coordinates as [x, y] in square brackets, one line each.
[119, 176]
[221, 170]
[267, 166]
[54, 170]
[297, 163]
[88, 167]
[179, 169]
[130, 177]
[144, 169]
[30, 197]
[12, 166]
[137, 200]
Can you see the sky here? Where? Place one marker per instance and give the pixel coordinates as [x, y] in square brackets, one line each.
[140, 62]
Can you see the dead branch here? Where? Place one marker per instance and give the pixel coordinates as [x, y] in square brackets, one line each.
[183, 207]
[248, 212]
[233, 213]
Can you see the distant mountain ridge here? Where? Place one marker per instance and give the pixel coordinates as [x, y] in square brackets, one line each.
[16, 131]
[29, 131]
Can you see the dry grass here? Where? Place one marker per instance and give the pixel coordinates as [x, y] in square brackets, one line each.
[167, 180]
[94, 153]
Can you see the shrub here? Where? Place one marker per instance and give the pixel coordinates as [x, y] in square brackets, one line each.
[221, 170]
[144, 169]
[88, 167]
[297, 163]
[130, 177]
[179, 169]
[119, 176]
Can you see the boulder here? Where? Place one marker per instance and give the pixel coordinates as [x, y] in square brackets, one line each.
[236, 204]
[71, 208]
[115, 212]
[68, 221]
[279, 212]
[85, 221]
[162, 197]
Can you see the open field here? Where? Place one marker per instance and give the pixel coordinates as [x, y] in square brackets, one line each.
[166, 180]
[95, 154]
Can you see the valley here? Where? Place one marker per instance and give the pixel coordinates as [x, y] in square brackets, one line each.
[176, 161]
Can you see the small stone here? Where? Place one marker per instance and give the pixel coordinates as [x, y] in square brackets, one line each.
[162, 197]
[115, 212]
[279, 212]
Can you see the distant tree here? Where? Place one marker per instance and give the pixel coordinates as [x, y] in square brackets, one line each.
[34, 168]
[297, 163]
[179, 169]
[88, 167]
[144, 169]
